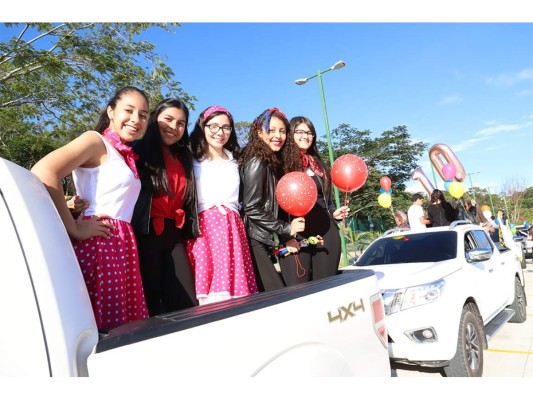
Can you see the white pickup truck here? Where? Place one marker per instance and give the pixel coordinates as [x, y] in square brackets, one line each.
[447, 291]
[332, 327]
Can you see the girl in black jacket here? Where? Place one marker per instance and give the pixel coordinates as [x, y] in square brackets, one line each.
[166, 211]
[321, 260]
[261, 166]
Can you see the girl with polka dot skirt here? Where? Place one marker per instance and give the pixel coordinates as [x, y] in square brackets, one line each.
[104, 173]
[220, 256]
[165, 215]
[261, 165]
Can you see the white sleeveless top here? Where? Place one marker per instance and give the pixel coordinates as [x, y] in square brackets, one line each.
[111, 188]
[217, 183]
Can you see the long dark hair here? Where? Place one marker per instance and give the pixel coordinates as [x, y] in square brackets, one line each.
[312, 151]
[103, 121]
[256, 146]
[199, 143]
[150, 149]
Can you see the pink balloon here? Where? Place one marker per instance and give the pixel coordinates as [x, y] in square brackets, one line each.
[296, 193]
[449, 171]
[349, 172]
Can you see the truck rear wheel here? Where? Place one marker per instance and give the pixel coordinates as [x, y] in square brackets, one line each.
[468, 359]
[519, 303]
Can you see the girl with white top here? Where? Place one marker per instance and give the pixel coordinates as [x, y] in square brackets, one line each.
[220, 256]
[104, 173]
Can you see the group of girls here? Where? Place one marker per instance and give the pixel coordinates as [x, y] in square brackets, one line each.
[171, 220]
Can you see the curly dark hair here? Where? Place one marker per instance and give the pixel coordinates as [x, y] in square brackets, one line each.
[312, 151]
[199, 143]
[150, 149]
[278, 162]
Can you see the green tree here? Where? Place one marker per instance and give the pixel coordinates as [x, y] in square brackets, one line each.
[392, 154]
[55, 77]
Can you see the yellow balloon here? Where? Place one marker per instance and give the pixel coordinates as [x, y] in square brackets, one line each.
[456, 189]
[485, 207]
[385, 200]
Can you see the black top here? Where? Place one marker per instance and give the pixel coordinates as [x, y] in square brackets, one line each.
[441, 214]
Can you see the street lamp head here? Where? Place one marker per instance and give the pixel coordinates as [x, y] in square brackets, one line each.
[302, 81]
[338, 65]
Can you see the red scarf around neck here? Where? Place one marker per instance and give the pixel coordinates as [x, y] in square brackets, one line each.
[307, 161]
[129, 155]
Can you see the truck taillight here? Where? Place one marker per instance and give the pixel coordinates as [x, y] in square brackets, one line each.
[378, 318]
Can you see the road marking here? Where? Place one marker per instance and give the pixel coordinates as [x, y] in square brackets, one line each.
[510, 351]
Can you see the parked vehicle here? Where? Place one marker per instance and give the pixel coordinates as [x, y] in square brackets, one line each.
[447, 291]
[333, 327]
[525, 237]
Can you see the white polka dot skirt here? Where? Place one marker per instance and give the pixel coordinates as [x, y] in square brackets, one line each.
[110, 267]
[220, 257]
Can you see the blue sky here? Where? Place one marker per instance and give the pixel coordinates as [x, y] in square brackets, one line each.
[467, 85]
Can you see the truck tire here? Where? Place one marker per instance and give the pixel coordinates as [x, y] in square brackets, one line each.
[468, 359]
[519, 303]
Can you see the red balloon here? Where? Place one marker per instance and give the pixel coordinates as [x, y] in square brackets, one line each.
[385, 183]
[296, 193]
[349, 172]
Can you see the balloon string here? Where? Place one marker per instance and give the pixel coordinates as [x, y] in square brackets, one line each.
[298, 266]
[344, 218]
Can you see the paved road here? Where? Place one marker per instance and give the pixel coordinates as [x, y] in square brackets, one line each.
[510, 352]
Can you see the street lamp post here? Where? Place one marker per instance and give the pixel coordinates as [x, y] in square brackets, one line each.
[303, 81]
[471, 186]
[490, 198]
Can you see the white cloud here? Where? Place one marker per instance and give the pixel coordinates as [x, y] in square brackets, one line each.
[511, 79]
[525, 93]
[447, 100]
[494, 130]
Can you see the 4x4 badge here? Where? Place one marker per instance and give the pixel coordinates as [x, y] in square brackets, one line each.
[344, 312]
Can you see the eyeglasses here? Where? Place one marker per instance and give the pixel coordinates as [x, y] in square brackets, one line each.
[301, 133]
[214, 128]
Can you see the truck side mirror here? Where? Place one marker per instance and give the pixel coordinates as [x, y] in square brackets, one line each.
[479, 254]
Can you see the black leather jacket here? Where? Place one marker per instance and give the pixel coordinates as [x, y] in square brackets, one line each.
[140, 220]
[259, 204]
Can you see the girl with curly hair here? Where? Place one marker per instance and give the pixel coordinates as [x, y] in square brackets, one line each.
[261, 166]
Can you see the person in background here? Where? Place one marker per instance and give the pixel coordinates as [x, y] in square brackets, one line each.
[261, 166]
[401, 219]
[415, 214]
[462, 208]
[320, 260]
[104, 173]
[220, 256]
[471, 208]
[165, 214]
[440, 211]
[486, 223]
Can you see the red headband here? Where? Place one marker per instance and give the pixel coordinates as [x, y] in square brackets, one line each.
[212, 109]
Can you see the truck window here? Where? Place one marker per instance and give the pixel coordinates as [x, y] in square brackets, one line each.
[411, 248]
[481, 239]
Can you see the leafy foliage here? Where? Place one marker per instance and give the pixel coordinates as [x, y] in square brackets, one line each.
[392, 154]
[55, 77]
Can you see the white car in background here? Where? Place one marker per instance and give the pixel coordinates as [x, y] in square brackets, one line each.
[446, 290]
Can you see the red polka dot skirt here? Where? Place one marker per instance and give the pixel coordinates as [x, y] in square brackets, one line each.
[220, 257]
[110, 267]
